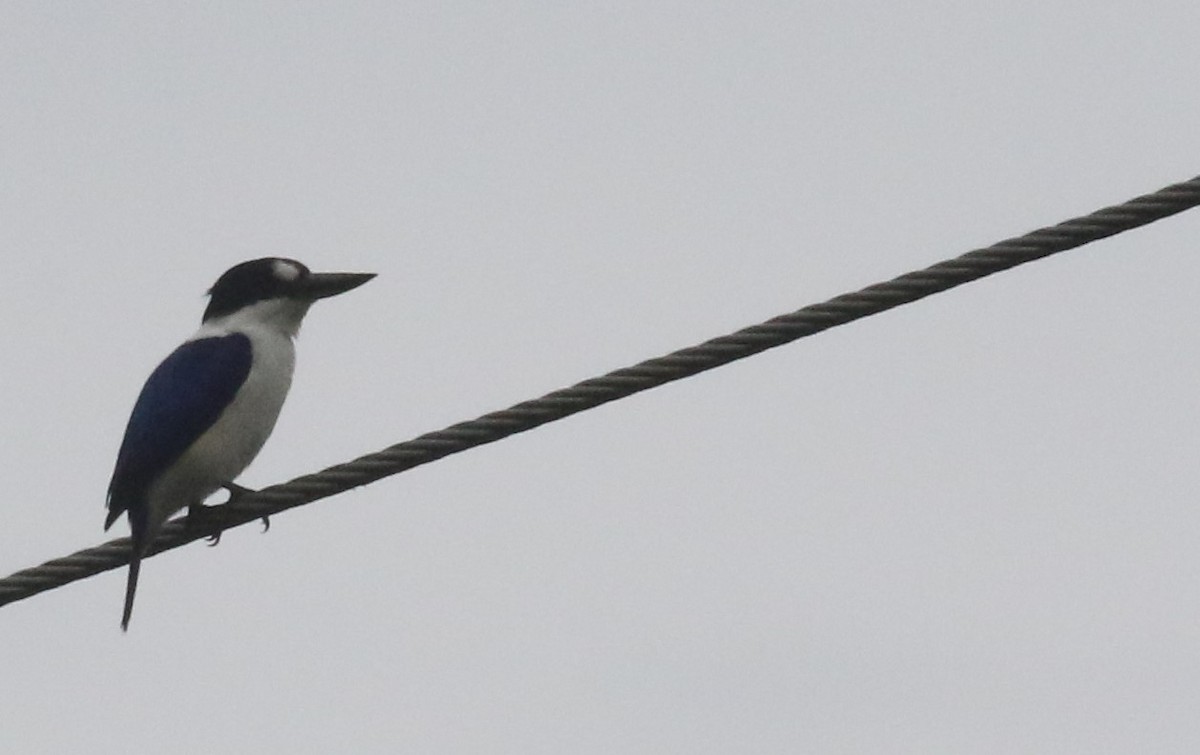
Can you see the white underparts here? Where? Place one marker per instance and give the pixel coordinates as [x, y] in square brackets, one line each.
[225, 450]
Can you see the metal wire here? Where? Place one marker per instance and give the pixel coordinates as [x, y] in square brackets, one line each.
[629, 380]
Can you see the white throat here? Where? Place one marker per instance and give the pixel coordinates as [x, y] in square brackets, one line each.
[282, 316]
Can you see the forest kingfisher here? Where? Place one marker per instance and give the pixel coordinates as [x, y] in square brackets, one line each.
[205, 412]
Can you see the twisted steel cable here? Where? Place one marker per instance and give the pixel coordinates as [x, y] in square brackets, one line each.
[527, 415]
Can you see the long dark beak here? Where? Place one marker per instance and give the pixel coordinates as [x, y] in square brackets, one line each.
[321, 285]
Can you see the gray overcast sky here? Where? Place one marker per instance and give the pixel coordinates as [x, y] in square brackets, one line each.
[969, 525]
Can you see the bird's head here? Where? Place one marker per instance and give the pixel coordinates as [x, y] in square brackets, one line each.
[273, 291]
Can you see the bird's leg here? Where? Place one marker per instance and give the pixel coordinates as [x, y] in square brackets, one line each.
[236, 492]
[209, 520]
[213, 520]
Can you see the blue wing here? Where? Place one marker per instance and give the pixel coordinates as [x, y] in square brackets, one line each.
[182, 398]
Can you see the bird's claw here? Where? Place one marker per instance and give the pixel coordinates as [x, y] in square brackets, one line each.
[210, 521]
[236, 492]
[207, 521]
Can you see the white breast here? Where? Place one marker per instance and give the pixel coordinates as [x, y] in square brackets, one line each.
[228, 447]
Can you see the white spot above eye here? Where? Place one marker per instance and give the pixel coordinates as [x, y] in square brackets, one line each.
[284, 270]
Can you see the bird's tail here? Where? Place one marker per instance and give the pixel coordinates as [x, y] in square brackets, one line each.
[135, 565]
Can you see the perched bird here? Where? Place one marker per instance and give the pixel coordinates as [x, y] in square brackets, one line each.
[205, 412]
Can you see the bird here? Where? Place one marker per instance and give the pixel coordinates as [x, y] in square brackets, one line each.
[206, 410]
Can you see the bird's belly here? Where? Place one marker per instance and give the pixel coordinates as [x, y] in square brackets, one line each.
[227, 448]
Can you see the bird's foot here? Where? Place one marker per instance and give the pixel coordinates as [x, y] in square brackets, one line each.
[212, 521]
[236, 493]
[209, 521]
